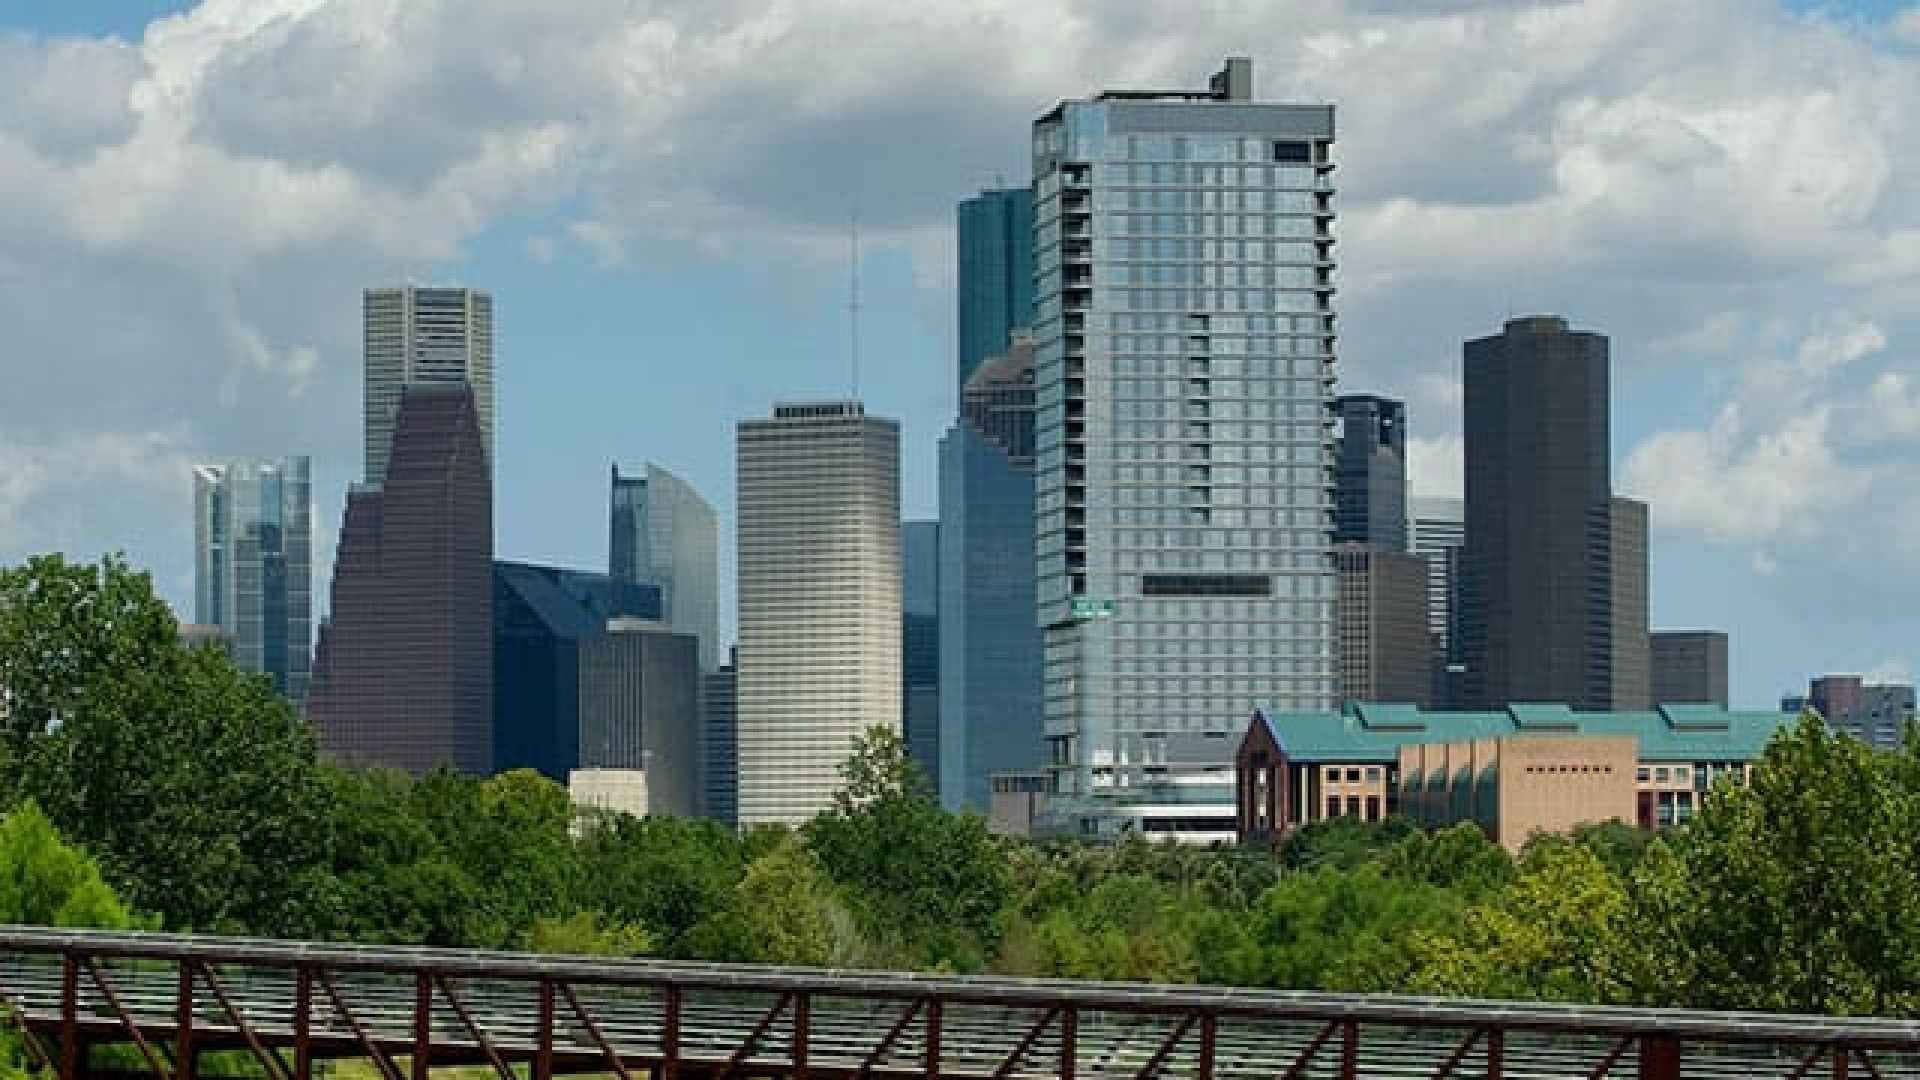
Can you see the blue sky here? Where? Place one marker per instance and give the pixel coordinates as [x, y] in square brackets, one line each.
[658, 200]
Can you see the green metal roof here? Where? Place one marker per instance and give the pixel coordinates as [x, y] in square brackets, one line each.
[1375, 732]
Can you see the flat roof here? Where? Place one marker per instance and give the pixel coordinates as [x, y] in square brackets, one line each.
[1376, 731]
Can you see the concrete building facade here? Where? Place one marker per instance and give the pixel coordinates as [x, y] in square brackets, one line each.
[990, 713]
[1183, 357]
[1690, 665]
[403, 669]
[419, 334]
[818, 529]
[253, 565]
[1370, 471]
[1385, 654]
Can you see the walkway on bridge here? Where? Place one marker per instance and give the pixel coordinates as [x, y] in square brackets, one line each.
[286, 1005]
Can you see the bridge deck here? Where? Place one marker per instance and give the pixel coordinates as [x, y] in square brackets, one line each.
[286, 1005]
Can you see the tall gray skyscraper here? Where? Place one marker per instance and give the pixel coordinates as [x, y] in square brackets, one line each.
[990, 716]
[819, 586]
[1439, 534]
[662, 533]
[995, 290]
[1370, 472]
[253, 564]
[1554, 571]
[421, 334]
[719, 742]
[1384, 651]
[1183, 354]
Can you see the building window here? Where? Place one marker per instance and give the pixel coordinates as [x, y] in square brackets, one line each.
[1353, 776]
[1644, 774]
[1373, 808]
[1333, 806]
[1373, 773]
[1333, 776]
[1353, 806]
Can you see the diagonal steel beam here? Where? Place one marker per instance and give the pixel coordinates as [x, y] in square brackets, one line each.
[1305, 1059]
[879, 1052]
[276, 1069]
[17, 1016]
[388, 1070]
[1806, 1063]
[1459, 1054]
[126, 1019]
[753, 1038]
[1012, 1061]
[593, 1031]
[1614, 1055]
[479, 1035]
[1160, 1056]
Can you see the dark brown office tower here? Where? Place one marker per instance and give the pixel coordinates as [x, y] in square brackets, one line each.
[402, 676]
[1548, 615]
[1381, 607]
[1690, 665]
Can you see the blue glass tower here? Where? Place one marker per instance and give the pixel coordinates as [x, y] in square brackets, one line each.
[990, 707]
[996, 273]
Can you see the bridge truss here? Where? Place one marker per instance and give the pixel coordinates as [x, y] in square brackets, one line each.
[169, 1001]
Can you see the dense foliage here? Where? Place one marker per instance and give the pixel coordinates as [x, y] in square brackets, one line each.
[151, 785]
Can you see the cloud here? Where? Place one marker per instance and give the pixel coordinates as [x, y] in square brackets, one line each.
[1436, 467]
[186, 220]
[1905, 25]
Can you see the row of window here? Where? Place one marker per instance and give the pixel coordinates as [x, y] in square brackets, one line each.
[1229, 200]
[1229, 454]
[1232, 226]
[1213, 300]
[1262, 176]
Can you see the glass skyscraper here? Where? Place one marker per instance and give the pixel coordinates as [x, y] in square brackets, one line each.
[920, 644]
[420, 334]
[1184, 363]
[253, 564]
[996, 273]
[989, 643]
[663, 534]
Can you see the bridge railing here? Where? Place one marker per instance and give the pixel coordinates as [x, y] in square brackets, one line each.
[168, 1001]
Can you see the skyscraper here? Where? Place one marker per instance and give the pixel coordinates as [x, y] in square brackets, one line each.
[403, 672]
[996, 273]
[417, 334]
[920, 644]
[1385, 655]
[1554, 571]
[1183, 357]
[1874, 713]
[1690, 665]
[253, 565]
[990, 715]
[719, 724]
[1439, 534]
[819, 594]
[1370, 472]
[663, 534]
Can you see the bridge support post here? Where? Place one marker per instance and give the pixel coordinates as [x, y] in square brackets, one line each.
[422, 1025]
[1840, 1062]
[303, 1023]
[543, 1034]
[1350, 1050]
[1209, 1031]
[933, 1039]
[670, 1034]
[802, 1019]
[72, 1054]
[1496, 1053]
[185, 1057]
[1069, 1038]
[1659, 1057]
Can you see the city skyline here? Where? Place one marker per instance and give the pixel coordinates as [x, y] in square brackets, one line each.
[223, 332]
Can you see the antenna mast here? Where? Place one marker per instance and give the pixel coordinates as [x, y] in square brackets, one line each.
[853, 302]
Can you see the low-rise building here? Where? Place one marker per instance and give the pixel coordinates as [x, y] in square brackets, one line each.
[1526, 769]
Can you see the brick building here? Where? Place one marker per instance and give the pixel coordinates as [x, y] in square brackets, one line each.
[1522, 770]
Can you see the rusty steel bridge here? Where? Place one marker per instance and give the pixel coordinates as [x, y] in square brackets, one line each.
[168, 1001]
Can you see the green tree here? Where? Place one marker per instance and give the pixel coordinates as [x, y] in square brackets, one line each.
[585, 934]
[44, 881]
[781, 912]
[1343, 843]
[1555, 934]
[1795, 893]
[927, 888]
[1333, 929]
[662, 873]
[1459, 857]
[198, 787]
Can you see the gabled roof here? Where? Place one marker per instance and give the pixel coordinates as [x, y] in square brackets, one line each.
[1376, 731]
